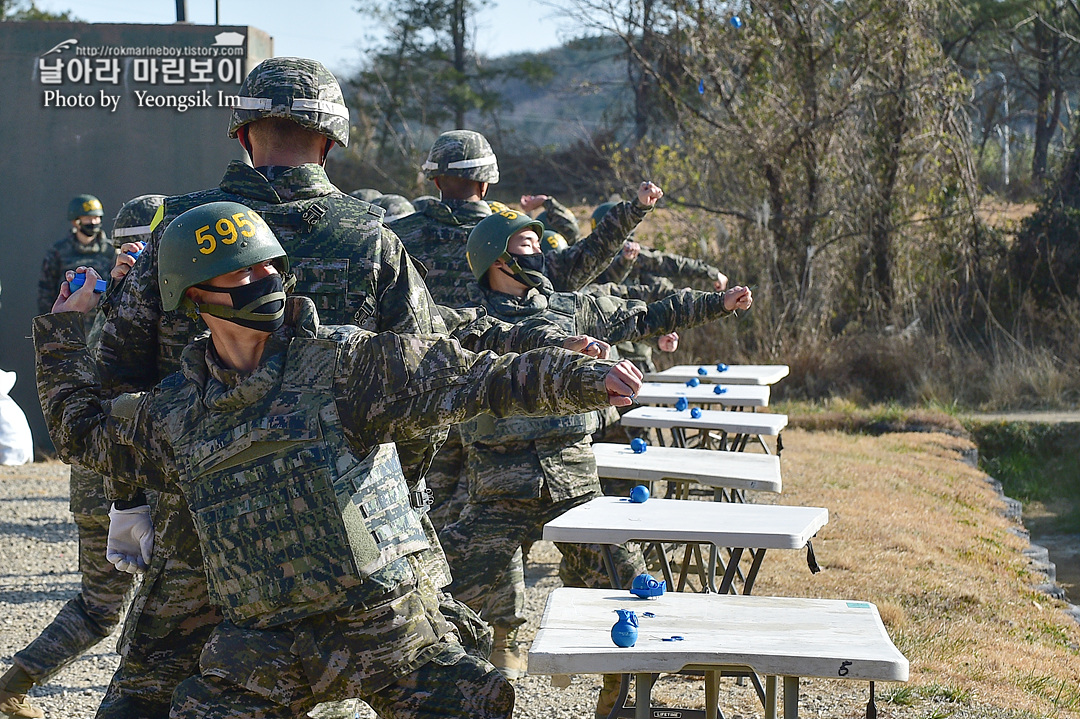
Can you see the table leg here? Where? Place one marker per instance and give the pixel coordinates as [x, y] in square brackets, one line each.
[643, 705]
[755, 565]
[712, 694]
[791, 698]
[609, 563]
[729, 573]
[770, 697]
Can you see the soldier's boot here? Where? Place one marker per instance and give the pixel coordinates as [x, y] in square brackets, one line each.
[609, 694]
[506, 654]
[13, 702]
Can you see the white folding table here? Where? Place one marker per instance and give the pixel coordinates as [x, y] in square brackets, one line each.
[730, 474]
[762, 374]
[735, 428]
[754, 528]
[772, 636]
[735, 395]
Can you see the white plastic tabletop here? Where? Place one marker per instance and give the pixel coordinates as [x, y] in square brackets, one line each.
[734, 374]
[760, 423]
[616, 520]
[738, 395]
[772, 635]
[735, 470]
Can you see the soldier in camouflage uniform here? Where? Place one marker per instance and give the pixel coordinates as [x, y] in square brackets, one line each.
[86, 244]
[95, 611]
[462, 165]
[523, 472]
[343, 258]
[555, 216]
[280, 436]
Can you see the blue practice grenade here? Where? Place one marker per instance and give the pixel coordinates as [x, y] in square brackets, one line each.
[638, 445]
[695, 413]
[702, 371]
[681, 404]
[693, 382]
[639, 494]
[624, 632]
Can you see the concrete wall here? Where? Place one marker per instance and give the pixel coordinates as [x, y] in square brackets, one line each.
[78, 115]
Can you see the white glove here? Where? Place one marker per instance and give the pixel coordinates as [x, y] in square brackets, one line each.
[131, 539]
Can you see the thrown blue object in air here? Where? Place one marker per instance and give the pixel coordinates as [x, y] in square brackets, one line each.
[702, 371]
[681, 403]
[639, 494]
[638, 445]
[736, 21]
[719, 389]
[701, 86]
[624, 632]
[693, 382]
[721, 367]
[695, 413]
[645, 587]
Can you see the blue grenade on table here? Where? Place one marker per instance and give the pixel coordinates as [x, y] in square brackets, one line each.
[624, 632]
[645, 587]
[681, 404]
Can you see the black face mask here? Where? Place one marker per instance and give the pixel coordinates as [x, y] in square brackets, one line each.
[259, 305]
[527, 269]
[90, 229]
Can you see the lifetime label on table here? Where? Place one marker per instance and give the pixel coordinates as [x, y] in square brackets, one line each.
[858, 605]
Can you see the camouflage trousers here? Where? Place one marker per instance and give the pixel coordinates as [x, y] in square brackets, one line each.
[446, 480]
[170, 620]
[399, 657]
[87, 618]
[480, 547]
[450, 492]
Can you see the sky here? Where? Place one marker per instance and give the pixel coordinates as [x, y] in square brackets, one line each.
[330, 31]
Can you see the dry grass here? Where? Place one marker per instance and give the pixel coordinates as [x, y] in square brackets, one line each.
[919, 533]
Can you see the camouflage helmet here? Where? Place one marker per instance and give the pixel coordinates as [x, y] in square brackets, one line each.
[136, 217]
[366, 194]
[552, 241]
[488, 240]
[396, 207]
[599, 212]
[211, 240]
[296, 89]
[419, 203]
[462, 153]
[84, 205]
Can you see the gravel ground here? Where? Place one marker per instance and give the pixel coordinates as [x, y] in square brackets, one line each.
[39, 553]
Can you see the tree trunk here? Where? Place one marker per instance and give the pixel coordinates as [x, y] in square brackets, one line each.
[458, 35]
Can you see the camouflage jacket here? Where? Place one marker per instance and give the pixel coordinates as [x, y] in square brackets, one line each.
[563, 462]
[437, 237]
[384, 387]
[652, 265]
[560, 219]
[67, 254]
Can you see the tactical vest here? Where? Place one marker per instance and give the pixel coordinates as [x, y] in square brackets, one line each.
[562, 311]
[292, 522]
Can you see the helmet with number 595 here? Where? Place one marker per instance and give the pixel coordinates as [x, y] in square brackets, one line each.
[212, 240]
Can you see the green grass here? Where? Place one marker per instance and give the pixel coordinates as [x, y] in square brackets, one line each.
[1034, 463]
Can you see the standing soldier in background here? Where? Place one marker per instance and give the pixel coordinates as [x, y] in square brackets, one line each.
[95, 611]
[86, 245]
